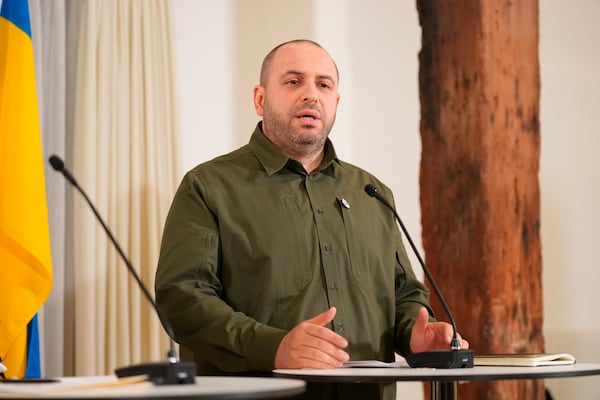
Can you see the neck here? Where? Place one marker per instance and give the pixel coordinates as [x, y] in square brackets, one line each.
[310, 163]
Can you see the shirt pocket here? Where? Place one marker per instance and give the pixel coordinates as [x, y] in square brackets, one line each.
[265, 249]
[370, 250]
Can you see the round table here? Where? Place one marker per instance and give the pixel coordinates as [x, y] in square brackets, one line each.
[443, 381]
[109, 387]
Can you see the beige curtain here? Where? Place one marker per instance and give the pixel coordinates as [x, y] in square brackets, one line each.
[48, 26]
[123, 155]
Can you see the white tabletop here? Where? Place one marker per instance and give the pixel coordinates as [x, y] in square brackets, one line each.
[404, 373]
[106, 387]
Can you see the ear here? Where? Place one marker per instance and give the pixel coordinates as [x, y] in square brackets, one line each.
[259, 99]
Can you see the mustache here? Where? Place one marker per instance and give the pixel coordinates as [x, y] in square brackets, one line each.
[313, 107]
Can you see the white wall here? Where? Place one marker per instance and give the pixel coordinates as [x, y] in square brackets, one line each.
[204, 42]
[220, 48]
[570, 183]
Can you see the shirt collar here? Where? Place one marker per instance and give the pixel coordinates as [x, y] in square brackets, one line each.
[274, 159]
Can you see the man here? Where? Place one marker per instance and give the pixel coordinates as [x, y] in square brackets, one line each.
[273, 256]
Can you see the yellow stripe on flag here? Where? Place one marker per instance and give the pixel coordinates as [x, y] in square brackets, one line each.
[25, 257]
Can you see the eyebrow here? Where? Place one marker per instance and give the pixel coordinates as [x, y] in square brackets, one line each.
[294, 72]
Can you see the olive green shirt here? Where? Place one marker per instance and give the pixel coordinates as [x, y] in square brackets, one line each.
[253, 245]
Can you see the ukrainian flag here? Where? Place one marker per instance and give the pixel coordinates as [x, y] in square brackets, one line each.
[25, 257]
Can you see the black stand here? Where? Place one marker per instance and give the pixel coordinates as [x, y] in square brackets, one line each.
[441, 359]
[162, 373]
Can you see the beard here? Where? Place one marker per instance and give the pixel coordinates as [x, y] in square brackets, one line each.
[295, 141]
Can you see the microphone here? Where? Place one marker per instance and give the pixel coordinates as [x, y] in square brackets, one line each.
[170, 372]
[455, 357]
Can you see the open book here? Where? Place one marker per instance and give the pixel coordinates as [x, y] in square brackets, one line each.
[524, 360]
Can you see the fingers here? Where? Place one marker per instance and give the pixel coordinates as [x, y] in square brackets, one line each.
[311, 345]
[422, 321]
[315, 327]
[418, 336]
[297, 352]
[320, 346]
[322, 352]
[464, 344]
[427, 335]
[324, 318]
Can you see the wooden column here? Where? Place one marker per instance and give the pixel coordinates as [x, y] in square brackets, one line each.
[480, 86]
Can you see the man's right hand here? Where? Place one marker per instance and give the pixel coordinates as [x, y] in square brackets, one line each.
[311, 345]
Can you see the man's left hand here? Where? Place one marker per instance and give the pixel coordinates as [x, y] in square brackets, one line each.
[427, 335]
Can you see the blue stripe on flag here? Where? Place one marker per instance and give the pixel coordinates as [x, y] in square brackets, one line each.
[17, 12]
[33, 368]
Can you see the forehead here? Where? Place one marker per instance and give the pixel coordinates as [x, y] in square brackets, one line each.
[304, 58]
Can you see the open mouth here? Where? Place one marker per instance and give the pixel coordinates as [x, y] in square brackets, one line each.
[308, 115]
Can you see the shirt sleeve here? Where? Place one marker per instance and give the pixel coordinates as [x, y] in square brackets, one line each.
[411, 295]
[189, 291]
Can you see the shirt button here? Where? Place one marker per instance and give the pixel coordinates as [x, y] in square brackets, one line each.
[340, 326]
[327, 247]
[334, 286]
[319, 210]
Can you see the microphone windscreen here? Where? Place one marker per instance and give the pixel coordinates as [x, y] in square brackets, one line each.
[371, 190]
[57, 163]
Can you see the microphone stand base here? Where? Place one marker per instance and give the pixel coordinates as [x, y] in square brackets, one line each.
[441, 359]
[162, 373]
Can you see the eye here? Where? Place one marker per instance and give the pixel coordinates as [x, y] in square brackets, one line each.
[293, 82]
[325, 85]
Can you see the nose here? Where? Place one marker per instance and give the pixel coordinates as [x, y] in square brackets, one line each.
[309, 99]
[310, 95]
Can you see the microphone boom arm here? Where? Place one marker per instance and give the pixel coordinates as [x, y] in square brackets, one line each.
[171, 372]
[455, 358]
